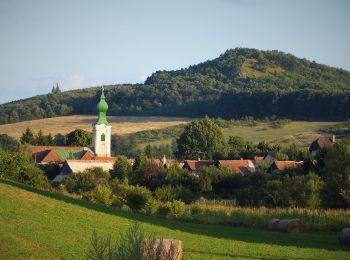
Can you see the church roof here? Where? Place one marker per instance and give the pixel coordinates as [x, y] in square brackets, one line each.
[58, 154]
[102, 108]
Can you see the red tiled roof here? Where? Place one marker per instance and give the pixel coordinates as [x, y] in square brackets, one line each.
[51, 156]
[282, 165]
[258, 158]
[193, 164]
[238, 166]
[105, 158]
[98, 160]
[320, 143]
[87, 156]
[38, 148]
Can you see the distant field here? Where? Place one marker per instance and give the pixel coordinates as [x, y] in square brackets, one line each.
[301, 133]
[121, 124]
[40, 225]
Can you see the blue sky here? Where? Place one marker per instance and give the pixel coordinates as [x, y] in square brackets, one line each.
[82, 43]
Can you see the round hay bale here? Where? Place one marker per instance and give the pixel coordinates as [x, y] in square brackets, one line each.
[162, 249]
[344, 236]
[272, 225]
[289, 225]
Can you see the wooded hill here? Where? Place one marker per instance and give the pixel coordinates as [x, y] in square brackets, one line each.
[241, 82]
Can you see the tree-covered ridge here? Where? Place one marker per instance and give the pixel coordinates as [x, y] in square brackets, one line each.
[241, 82]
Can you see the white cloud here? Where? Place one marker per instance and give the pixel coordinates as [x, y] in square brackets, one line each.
[75, 81]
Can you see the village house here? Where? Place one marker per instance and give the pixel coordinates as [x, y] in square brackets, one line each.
[242, 167]
[320, 143]
[75, 159]
[193, 165]
[283, 165]
[58, 154]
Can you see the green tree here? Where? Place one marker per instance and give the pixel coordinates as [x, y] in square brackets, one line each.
[121, 169]
[336, 173]
[7, 143]
[40, 138]
[49, 140]
[78, 137]
[27, 137]
[201, 138]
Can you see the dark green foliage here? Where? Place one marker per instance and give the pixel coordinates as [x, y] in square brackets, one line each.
[173, 209]
[80, 182]
[170, 193]
[156, 152]
[20, 168]
[27, 137]
[7, 143]
[279, 190]
[137, 198]
[201, 138]
[102, 194]
[124, 145]
[336, 173]
[284, 86]
[78, 137]
[152, 175]
[121, 169]
[126, 247]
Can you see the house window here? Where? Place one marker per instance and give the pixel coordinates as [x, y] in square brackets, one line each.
[103, 138]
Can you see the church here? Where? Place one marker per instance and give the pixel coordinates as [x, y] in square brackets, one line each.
[77, 159]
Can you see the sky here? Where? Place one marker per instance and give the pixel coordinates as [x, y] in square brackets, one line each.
[83, 43]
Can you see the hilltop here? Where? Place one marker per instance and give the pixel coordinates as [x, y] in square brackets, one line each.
[241, 82]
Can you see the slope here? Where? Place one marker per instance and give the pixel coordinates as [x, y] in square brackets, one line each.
[39, 225]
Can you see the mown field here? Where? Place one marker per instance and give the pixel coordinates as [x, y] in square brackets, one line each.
[40, 225]
[121, 124]
[301, 133]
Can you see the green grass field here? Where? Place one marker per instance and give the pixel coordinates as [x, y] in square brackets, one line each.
[40, 225]
[299, 132]
[302, 133]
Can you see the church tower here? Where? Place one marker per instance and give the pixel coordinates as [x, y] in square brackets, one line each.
[101, 130]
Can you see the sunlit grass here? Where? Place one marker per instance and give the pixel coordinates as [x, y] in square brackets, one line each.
[41, 225]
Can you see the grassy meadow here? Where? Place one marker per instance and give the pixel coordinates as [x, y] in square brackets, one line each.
[40, 225]
[302, 133]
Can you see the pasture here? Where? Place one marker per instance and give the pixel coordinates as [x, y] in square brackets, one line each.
[41, 225]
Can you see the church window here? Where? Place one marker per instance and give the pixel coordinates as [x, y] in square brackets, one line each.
[103, 138]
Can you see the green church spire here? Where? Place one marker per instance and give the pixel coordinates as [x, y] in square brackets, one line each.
[102, 108]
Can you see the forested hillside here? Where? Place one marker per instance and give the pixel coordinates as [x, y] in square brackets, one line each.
[241, 82]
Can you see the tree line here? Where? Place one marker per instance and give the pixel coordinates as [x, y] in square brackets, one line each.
[275, 83]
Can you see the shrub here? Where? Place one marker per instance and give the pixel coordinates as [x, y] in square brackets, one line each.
[80, 182]
[127, 246]
[121, 168]
[117, 202]
[173, 209]
[102, 194]
[165, 193]
[151, 207]
[137, 197]
[169, 193]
